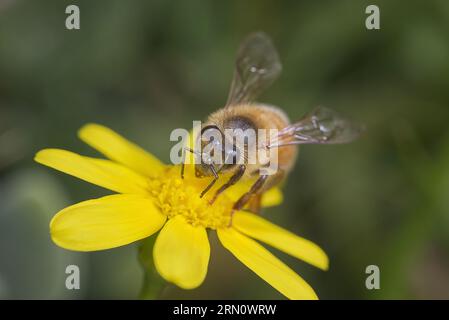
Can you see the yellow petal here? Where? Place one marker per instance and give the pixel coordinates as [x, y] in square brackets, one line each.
[181, 253]
[265, 265]
[104, 173]
[273, 197]
[258, 228]
[119, 149]
[105, 223]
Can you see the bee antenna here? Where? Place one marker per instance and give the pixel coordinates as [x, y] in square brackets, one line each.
[184, 159]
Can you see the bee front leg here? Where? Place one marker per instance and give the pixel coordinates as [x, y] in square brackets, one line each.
[233, 180]
[211, 184]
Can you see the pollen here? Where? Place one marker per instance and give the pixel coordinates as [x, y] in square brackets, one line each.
[177, 196]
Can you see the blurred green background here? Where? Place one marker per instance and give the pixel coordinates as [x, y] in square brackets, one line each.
[144, 68]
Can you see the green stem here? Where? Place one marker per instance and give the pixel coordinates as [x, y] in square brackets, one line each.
[152, 283]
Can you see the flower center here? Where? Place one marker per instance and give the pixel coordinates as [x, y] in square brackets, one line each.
[175, 196]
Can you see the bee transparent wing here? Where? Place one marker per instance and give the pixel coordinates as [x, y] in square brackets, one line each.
[257, 66]
[321, 126]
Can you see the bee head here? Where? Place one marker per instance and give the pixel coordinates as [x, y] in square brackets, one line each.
[208, 161]
[216, 155]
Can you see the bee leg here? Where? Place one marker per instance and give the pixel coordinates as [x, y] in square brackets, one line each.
[255, 188]
[233, 180]
[254, 203]
[254, 196]
[210, 185]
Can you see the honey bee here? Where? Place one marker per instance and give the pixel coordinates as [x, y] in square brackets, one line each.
[257, 66]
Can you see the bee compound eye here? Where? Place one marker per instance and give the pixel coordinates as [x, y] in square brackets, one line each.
[211, 133]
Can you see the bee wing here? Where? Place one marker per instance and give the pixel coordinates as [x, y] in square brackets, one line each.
[321, 126]
[257, 66]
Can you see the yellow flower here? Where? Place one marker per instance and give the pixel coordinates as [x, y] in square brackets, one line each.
[152, 197]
